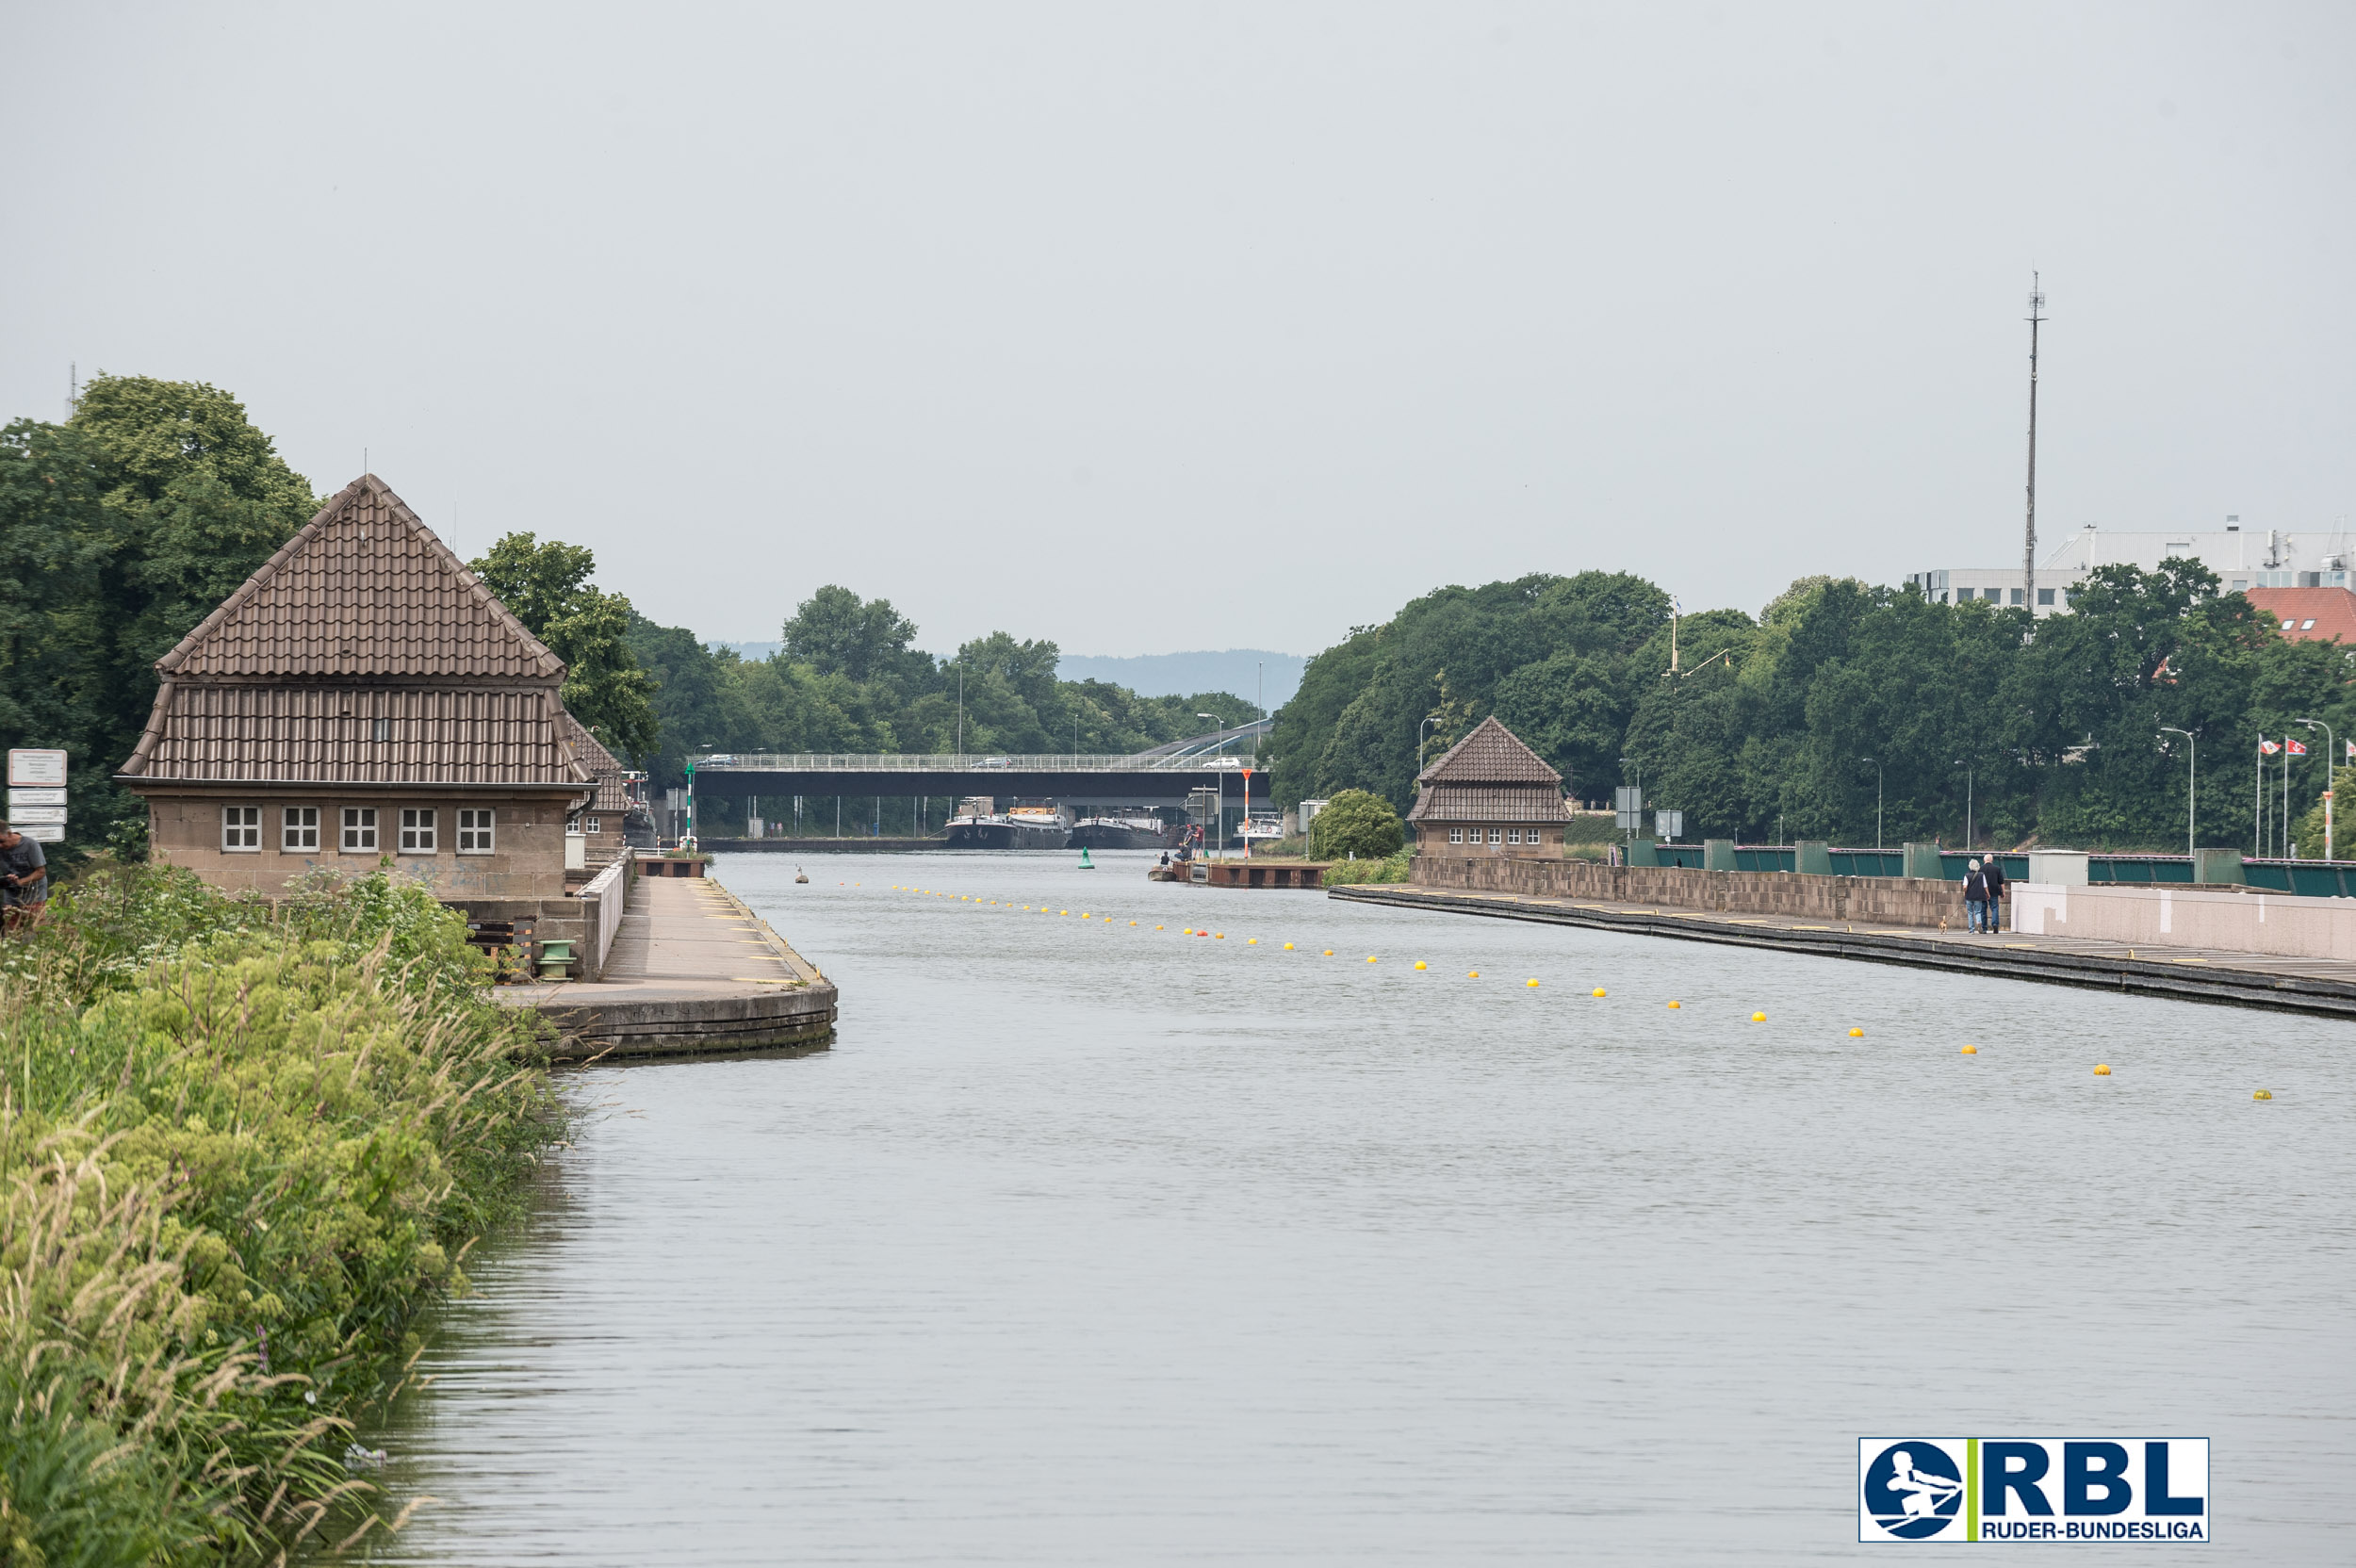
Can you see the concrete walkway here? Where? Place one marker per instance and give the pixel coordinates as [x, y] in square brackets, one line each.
[690, 970]
[2319, 986]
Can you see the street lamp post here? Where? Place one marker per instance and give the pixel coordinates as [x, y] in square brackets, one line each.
[2192, 779]
[1220, 820]
[1877, 801]
[2331, 751]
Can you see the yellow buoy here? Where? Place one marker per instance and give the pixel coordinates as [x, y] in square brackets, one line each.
[1288, 947]
[1369, 958]
[1329, 952]
[2101, 1070]
[2262, 1094]
[1970, 1051]
[1158, 929]
[1759, 1018]
[1420, 964]
[1530, 982]
[1472, 974]
[1219, 935]
[1598, 990]
[1063, 911]
[1857, 1034]
[1677, 1004]
[1253, 942]
[1132, 923]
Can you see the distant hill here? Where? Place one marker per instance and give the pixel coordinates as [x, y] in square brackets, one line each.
[1178, 674]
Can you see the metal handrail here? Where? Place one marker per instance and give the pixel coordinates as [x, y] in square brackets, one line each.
[949, 761]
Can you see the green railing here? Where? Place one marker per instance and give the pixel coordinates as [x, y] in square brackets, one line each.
[2300, 878]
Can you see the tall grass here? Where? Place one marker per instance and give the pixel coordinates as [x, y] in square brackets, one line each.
[1342, 874]
[242, 1147]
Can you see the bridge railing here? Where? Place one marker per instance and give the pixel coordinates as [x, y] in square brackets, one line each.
[745, 762]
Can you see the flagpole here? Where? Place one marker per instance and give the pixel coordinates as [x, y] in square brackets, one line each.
[2258, 808]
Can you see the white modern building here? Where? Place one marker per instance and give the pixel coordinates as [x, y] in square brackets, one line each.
[2241, 557]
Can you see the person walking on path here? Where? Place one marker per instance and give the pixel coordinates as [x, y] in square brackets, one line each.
[1976, 899]
[24, 878]
[1995, 874]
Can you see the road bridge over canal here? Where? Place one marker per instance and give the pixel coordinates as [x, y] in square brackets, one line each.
[1163, 776]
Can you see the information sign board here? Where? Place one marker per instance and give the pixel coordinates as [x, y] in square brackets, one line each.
[32, 765]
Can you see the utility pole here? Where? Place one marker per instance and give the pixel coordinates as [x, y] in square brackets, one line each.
[2331, 744]
[2192, 781]
[2028, 557]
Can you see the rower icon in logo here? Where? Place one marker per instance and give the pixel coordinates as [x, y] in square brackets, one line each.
[1913, 1488]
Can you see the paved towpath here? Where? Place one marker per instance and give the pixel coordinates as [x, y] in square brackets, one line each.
[2321, 986]
[691, 968]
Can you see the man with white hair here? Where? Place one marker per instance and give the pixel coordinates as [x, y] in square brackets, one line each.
[24, 878]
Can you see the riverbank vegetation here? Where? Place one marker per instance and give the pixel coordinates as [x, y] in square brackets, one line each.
[1838, 699]
[242, 1148]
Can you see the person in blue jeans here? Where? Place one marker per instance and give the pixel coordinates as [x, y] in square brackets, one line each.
[1994, 871]
[1976, 899]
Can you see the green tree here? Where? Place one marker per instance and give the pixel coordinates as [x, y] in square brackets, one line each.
[547, 587]
[124, 527]
[834, 632]
[1356, 822]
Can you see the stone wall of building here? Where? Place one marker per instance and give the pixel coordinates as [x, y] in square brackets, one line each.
[1880, 900]
[526, 861]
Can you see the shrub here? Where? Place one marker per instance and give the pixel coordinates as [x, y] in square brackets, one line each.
[245, 1146]
[1357, 822]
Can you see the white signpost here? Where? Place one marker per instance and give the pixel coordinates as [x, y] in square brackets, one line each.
[36, 793]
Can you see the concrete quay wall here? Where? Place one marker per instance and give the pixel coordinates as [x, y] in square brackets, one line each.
[2235, 920]
[1793, 895]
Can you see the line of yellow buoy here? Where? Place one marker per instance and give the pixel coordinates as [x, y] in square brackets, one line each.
[2101, 1070]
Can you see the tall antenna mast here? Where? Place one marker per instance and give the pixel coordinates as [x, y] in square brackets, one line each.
[2028, 555]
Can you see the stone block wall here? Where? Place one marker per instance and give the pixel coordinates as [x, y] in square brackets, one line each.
[1785, 895]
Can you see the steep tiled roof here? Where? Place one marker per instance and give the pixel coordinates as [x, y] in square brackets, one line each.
[1492, 754]
[604, 767]
[257, 732]
[2309, 614]
[1503, 803]
[1489, 776]
[364, 591]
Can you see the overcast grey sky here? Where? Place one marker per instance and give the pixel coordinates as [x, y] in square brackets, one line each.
[1027, 315]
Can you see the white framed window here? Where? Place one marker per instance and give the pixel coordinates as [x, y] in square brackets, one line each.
[359, 829]
[1497, 835]
[476, 826]
[241, 829]
[417, 825]
[1513, 835]
[591, 824]
[1456, 835]
[298, 830]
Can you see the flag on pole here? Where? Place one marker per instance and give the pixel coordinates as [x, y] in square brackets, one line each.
[2351, 749]
[2268, 748]
[2296, 748]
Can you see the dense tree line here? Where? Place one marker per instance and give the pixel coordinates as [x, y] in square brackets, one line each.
[849, 678]
[120, 529]
[1785, 726]
[124, 527]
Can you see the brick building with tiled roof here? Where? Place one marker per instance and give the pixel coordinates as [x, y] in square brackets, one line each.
[363, 700]
[2310, 614]
[1490, 795]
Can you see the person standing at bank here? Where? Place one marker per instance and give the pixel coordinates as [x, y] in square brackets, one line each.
[24, 878]
[1974, 898]
[1995, 874]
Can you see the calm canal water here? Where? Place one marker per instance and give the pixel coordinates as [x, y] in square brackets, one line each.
[1098, 1243]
